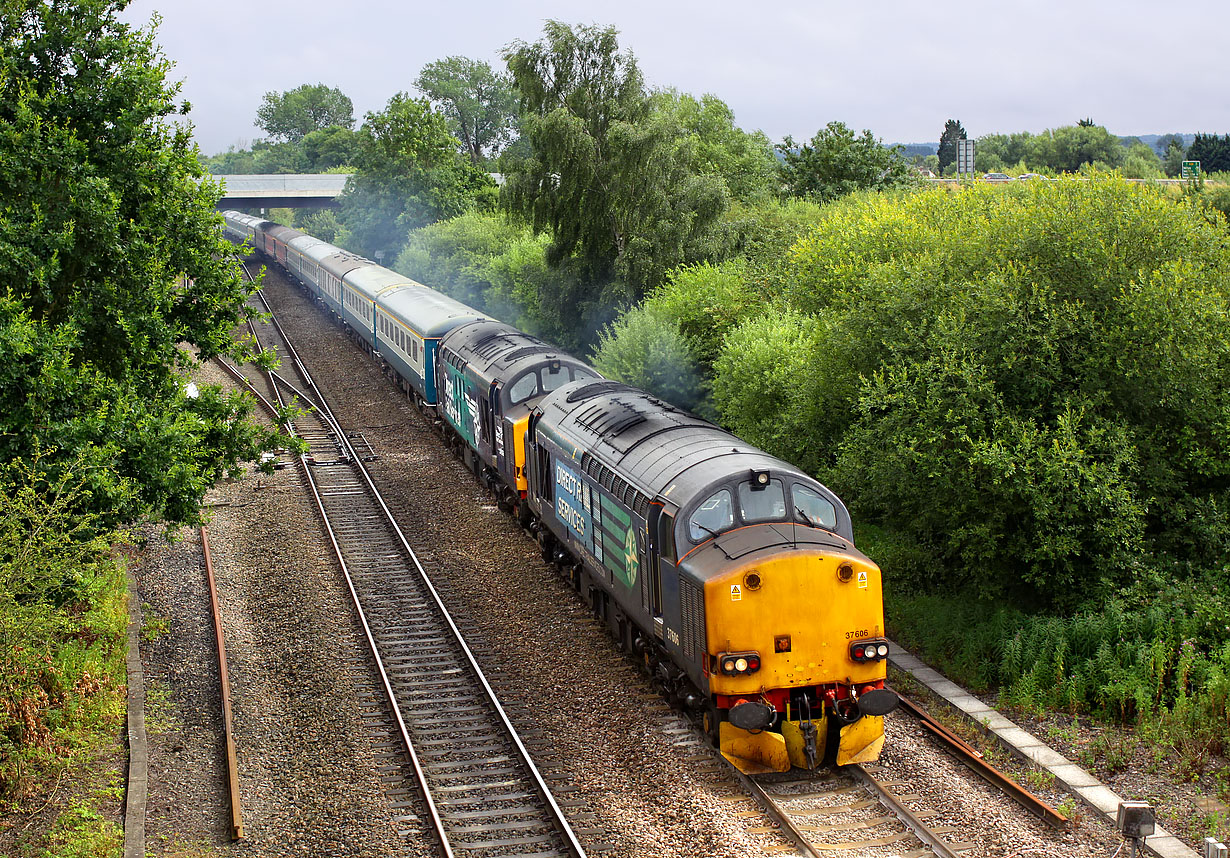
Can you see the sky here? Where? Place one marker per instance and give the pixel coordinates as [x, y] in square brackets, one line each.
[897, 69]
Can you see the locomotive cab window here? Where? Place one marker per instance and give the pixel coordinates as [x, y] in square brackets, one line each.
[762, 503]
[712, 517]
[811, 508]
[523, 388]
[553, 377]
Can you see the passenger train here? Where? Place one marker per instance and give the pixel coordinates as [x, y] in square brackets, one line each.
[730, 574]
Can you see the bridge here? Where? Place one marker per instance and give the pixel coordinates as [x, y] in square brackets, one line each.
[282, 190]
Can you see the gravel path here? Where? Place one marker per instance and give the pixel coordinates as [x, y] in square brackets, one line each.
[308, 781]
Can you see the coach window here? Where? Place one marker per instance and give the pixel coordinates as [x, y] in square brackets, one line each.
[766, 503]
[523, 388]
[811, 508]
[712, 517]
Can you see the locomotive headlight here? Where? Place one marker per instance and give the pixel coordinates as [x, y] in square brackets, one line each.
[739, 663]
[882, 650]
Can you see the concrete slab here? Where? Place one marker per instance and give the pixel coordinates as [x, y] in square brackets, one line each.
[1100, 797]
[1017, 738]
[1045, 756]
[1073, 776]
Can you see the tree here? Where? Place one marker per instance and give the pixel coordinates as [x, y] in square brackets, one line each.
[290, 116]
[615, 183]
[836, 162]
[1212, 151]
[1073, 146]
[326, 148]
[953, 131]
[410, 173]
[1166, 142]
[479, 103]
[743, 160]
[112, 257]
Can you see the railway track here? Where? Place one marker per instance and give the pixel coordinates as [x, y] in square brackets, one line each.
[461, 774]
[850, 810]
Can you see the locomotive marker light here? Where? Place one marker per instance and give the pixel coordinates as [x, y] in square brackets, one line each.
[739, 663]
[873, 650]
[760, 480]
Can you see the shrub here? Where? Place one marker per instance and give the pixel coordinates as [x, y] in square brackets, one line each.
[62, 622]
[1026, 381]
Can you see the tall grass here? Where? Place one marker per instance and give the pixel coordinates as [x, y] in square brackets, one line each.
[1157, 657]
[62, 628]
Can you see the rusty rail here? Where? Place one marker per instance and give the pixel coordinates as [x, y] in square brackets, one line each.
[972, 758]
[232, 764]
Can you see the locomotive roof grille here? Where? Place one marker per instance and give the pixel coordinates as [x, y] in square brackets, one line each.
[595, 388]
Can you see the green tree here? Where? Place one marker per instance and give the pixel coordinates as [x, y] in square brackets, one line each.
[1074, 146]
[327, 148]
[410, 173]
[953, 131]
[836, 162]
[479, 103]
[1212, 151]
[743, 160]
[614, 182]
[292, 115]
[112, 257]
[1000, 373]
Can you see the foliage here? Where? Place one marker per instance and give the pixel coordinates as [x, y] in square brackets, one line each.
[479, 103]
[62, 620]
[112, 256]
[1023, 381]
[651, 353]
[292, 115]
[836, 163]
[947, 153]
[499, 267]
[743, 160]
[616, 184]
[1141, 162]
[409, 174]
[1157, 654]
[1212, 151]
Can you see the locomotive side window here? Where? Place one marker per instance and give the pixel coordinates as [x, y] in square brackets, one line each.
[712, 517]
[666, 537]
[762, 504]
[811, 508]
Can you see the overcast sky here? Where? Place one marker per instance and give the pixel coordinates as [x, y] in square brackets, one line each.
[898, 69]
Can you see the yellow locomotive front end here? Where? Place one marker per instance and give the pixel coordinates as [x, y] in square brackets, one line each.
[797, 658]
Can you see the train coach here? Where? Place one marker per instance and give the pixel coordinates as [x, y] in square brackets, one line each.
[731, 574]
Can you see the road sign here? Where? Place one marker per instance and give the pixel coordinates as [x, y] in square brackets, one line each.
[965, 157]
[1191, 170]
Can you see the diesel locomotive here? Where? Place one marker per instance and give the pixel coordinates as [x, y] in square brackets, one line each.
[730, 574]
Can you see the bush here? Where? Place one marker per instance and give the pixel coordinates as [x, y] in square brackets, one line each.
[62, 624]
[1027, 381]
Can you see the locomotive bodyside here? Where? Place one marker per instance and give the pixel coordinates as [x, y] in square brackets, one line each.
[732, 573]
[489, 377]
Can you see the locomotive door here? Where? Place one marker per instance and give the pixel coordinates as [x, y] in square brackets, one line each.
[490, 444]
[661, 550]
